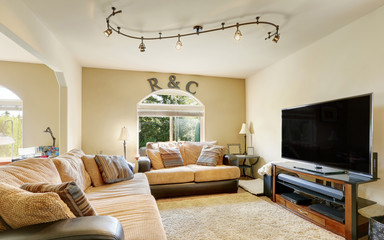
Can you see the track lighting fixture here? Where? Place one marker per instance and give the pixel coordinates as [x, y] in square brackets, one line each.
[179, 45]
[275, 35]
[238, 34]
[142, 45]
[108, 32]
[276, 38]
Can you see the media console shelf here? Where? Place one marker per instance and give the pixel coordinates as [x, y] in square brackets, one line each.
[334, 189]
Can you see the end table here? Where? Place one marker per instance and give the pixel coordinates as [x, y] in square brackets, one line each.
[243, 165]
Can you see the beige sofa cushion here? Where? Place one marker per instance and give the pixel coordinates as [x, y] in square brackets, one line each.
[93, 170]
[21, 208]
[215, 173]
[136, 186]
[170, 175]
[157, 145]
[137, 213]
[31, 170]
[155, 157]
[71, 168]
[192, 150]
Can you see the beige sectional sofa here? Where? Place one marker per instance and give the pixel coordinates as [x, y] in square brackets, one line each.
[129, 201]
[191, 178]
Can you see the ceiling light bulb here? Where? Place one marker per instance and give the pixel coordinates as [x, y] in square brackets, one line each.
[142, 46]
[276, 38]
[179, 45]
[108, 32]
[238, 34]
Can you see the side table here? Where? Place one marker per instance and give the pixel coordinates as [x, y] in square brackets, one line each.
[243, 165]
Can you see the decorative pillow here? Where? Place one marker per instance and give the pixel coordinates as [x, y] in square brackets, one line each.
[192, 151]
[171, 157]
[21, 208]
[93, 170]
[71, 168]
[131, 165]
[156, 161]
[113, 168]
[69, 192]
[210, 155]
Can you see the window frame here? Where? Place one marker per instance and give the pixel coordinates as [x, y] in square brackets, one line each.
[171, 110]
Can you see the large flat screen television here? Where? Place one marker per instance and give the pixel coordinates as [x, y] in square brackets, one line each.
[336, 134]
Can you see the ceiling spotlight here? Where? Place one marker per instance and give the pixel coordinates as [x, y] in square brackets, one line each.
[108, 32]
[142, 45]
[276, 38]
[238, 34]
[179, 45]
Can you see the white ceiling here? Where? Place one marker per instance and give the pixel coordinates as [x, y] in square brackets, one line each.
[79, 25]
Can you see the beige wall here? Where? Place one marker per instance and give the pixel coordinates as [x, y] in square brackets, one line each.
[346, 63]
[110, 100]
[21, 25]
[37, 87]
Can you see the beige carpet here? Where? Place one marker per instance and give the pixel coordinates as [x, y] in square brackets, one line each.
[234, 216]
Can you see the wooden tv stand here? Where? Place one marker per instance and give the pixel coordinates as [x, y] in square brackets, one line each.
[354, 225]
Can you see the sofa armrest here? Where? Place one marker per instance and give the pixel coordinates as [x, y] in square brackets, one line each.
[93, 227]
[144, 164]
[230, 160]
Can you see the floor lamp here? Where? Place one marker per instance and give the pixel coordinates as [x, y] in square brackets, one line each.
[124, 137]
[244, 131]
[4, 138]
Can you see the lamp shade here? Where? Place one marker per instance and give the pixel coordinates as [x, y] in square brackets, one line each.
[243, 129]
[5, 140]
[124, 134]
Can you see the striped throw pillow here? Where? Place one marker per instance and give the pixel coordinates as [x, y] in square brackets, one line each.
[69, 192]
[113, 168]
[171, 157]
[210, 155]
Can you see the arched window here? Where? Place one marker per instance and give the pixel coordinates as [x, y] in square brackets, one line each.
[170, 115]
[11, 124]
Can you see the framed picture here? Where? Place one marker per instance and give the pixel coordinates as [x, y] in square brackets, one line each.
[234, 149]
[250, 151]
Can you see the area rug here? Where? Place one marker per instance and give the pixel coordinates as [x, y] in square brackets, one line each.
[254, 186]
[240, 216]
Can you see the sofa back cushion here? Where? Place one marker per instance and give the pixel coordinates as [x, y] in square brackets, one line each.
[71, 168]
[171, 157]
[192, 151]
[157, 145]
[93, 170]
[31, 170]
[210, 155]
[155, 157]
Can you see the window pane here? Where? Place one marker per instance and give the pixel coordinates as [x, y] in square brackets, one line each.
[186, 129]
[17, 119]
[153, 129]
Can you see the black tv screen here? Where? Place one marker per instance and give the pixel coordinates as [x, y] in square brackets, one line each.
[334, 134]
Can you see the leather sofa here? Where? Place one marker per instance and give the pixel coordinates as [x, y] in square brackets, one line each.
[190, 179]
[126, 209]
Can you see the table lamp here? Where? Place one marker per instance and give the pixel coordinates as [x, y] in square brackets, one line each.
[124, 137]
[244, 131]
